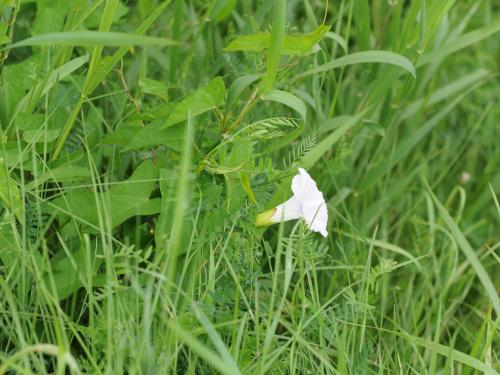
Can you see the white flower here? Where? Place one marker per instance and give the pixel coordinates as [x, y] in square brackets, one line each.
[307, 203]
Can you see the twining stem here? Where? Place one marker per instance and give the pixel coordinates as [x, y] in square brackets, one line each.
[249, 104]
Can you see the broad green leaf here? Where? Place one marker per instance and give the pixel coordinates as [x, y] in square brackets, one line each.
[64, 173]
[304, 44]
[16, 79]
[154, 87]
[162, 132]
[202, 100]
[92, 38]
[11, 249]
[13, 156]
[252, 43]
[133, 137]
[140, 184]
[33, 128]
[69, 273]
[235, 192]
[237, 87]
[10, 196]
[287, 99]
[149, 136]
[50, 16]
[31, 99]
[28, 121]
[9, 253]
[82, 206]
[123, 200]
[292, 44]
[364, 57]
[124, 135]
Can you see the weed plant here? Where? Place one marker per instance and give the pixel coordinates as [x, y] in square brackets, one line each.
[140, 139]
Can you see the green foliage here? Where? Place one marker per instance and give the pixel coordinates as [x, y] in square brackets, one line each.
[154, 87]
[292, 44]
[91, 38]
[162, 131]
[123, 200]
[9, 192]
[140, 139]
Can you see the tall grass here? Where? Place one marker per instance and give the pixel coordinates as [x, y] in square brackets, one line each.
[139, 140]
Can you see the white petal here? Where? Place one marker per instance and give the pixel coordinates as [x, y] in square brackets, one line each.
[304, 187]
[289, 210]
[316, 216]
[314, 208]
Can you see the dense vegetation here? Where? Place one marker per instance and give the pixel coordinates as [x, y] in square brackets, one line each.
[140, 139]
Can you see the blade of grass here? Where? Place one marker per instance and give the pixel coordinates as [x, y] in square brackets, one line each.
[176, 34]
[448, 352]
[364, 57]
[459, 43]
[276, 44]
[312, 156]
[29, 102]
[95, 77]
[180, 207]
[93, 38]
[237, 87]
[405, 145]
[107, 17]
[287, 99]
[468, 251]
[201, 349]
[445, 92]
[215, 338]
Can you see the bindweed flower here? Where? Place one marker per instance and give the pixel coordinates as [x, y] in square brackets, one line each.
[307, 203]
